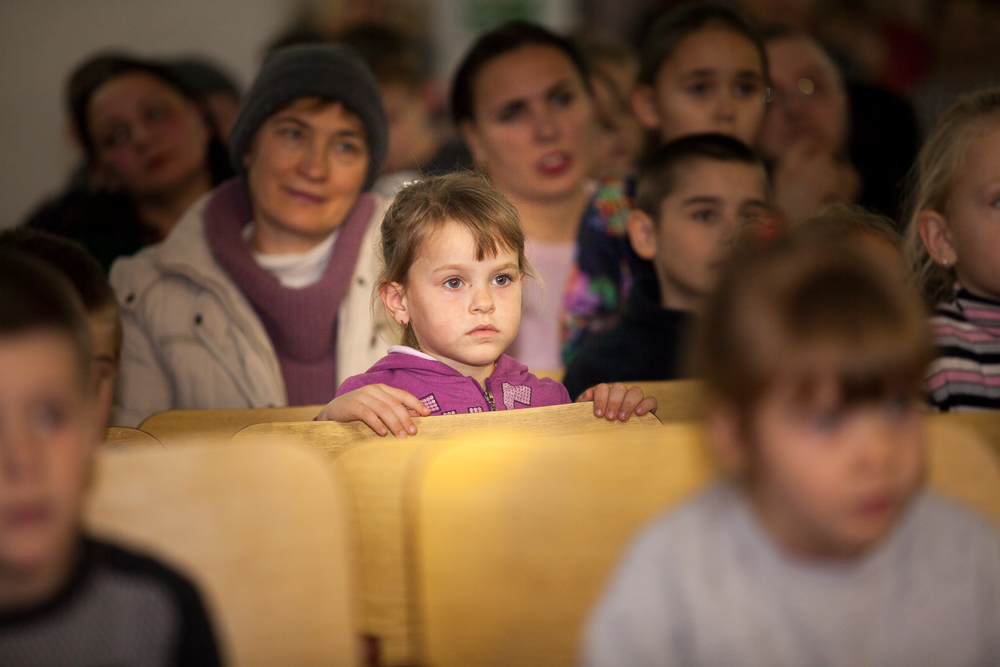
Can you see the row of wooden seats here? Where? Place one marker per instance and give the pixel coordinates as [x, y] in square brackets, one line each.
[679, 400]
[470, 549]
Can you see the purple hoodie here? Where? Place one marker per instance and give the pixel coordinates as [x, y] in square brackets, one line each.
[445, 391]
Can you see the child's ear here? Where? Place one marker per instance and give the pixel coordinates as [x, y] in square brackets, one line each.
[728, 440]
[642, 234]
[394, 299]
[934, 231]
[471, 139]
[644, 106]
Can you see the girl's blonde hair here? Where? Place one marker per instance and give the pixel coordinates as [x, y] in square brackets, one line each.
[933, 178]
[422, 208]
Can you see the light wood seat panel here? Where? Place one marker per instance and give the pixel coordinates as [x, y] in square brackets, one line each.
[121, 436]
[260, 528]
[514, 540]
[375, 474]
[333, 437]
[677, 400]
[218, 425]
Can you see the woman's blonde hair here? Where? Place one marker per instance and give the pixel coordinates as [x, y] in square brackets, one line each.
[422, 208]
[933, 178]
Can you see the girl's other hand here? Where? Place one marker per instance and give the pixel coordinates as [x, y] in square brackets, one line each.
[385, 409]
[618, 401]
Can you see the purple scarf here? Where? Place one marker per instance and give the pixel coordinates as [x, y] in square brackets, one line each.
[302, 323]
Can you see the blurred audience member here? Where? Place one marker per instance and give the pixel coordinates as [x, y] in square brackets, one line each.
[411, 101]
[87, 277]
[883, 145]
[806, 128]
[151, 148]
[966, 41]
[694, 195]
[261, 296]
[65, 597]
[703, 69]
[217, 91]
[614, 68]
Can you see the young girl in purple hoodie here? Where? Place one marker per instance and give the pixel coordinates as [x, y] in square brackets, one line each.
[453, 254]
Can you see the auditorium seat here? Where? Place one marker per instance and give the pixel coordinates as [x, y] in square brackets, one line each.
[120, 436]
[218, 425]
[677, 400]
[512, 539]
[375, 470]
[259, 527]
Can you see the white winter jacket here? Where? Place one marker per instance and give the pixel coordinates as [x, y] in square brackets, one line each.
[193, 340]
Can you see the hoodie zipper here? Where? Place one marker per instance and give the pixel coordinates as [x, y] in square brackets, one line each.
[489, 398]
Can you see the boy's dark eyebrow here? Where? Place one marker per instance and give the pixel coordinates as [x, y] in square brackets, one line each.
[743, 73]
[701, 199]
[699, 73]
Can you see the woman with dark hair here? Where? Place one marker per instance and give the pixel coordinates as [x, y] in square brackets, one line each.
[261, 294]
[152, 150]
[523, 103]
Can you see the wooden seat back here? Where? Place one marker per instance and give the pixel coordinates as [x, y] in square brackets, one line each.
[260, 528]
[218, 425]
[513, 540]
[375, 470]
[677, 400]
[121, 436]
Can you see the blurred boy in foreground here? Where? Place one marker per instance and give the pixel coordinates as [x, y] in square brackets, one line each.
[65, 598]
[821, 547]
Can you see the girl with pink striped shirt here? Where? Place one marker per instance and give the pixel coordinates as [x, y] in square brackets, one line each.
[953, 247]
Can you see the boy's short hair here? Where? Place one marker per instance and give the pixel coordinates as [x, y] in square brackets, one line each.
[35, 297]
[802, 310]
[659, 170]
[72, 260]
[849, 221]
[392, 55]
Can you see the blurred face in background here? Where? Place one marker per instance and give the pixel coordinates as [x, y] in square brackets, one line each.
[148, 138]
[412, 139]
[534, 129]
[712, 82]
[808, 101]
[621, 134]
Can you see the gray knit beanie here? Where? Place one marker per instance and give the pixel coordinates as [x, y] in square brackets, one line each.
[331, 71]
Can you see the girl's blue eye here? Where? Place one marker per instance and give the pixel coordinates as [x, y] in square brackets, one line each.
[503, 280]
[511, 112]
[897, 407]
[453, 283]
[746, 89]
[827, 420]
[704, 215]
[48, 418]
[155, 113]
[563, 98]
[699, 89]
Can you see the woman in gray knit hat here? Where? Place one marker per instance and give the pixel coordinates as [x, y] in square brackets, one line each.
[261, 294]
